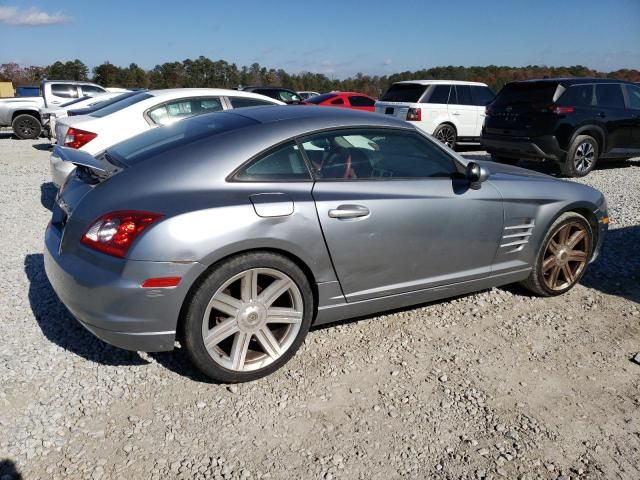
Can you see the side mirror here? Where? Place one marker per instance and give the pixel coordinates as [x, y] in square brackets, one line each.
[476, 175]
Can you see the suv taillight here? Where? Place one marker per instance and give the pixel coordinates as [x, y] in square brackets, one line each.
[77, 138]
[414, 115]
[115, 232]
[560, 109]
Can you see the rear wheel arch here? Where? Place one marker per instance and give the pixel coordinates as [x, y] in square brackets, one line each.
[594, 131]
[198, 281]
[33, 113]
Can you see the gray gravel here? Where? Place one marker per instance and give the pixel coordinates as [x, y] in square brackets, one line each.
[493, 385]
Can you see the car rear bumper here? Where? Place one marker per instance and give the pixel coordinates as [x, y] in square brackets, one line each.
[544, 147]
[111, 303]
[60, 170]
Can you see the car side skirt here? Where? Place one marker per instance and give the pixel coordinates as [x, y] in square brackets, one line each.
[336, 312]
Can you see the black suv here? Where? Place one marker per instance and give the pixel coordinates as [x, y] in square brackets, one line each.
[283, 94]
[573, 121]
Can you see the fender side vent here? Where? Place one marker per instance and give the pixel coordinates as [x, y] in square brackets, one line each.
[515, 237]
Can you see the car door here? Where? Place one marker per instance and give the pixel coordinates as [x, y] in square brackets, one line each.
[610, 111]
[633, 104]
[462, 111]
[397, 215]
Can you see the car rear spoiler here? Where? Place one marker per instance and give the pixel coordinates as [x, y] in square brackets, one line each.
[78, 157]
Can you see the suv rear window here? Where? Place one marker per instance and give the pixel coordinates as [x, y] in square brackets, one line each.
[120, 104]
[526, 92]
[404, 92]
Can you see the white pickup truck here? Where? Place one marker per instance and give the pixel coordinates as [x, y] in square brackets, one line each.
[23, 114]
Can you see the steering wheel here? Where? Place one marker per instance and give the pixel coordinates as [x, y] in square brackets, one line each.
[334, 161]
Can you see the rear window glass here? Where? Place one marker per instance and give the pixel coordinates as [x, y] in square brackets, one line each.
[121, 103]
[320, 98]
[404, 92]
[526, 92]
[359, 101]
[242, 102]
[162, 139]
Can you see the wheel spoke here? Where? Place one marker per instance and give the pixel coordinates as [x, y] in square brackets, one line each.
[226, 304]
[239, 350]
[249, 286]
[568, 274]
[563, 235]
[577, 256]
[575, 238]
[553, 276]
[548, 263]
[223, 330]
[268, 342]
[554, 247]
[283, 315]
[274, 291]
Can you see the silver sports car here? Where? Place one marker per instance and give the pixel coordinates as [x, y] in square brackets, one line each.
[235, 232]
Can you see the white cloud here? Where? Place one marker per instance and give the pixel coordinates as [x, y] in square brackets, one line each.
[32, 17]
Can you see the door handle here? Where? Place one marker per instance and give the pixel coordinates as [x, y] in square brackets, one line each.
[455, 113]
[349, 211]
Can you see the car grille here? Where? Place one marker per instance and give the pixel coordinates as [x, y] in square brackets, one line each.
[515, 237]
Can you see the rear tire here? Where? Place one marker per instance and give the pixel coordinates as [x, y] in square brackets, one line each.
[232, 332]
[563, 256]
[581, 157]
[446, 134]
[26, 127]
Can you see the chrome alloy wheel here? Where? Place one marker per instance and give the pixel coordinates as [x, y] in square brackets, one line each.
[253, 319]
[584, 157]
[566, 256]
[446, 135]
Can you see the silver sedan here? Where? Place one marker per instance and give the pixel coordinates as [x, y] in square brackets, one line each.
[233, 233]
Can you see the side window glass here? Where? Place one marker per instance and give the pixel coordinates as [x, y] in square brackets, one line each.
[241, 102]
[375, 154]
[337, 101]
[634, 96]
[64, 90]
[358, 101]
[577, 96]
[464, 95]
[91, 90]
[609, 95]
[439, 94]
[282, 163]
[481, 96]
[177, 110]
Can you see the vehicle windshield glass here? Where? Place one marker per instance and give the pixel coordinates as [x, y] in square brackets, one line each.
[404, 92]
[119, 103]
[320, 98]
[162, 139]
[526, 92]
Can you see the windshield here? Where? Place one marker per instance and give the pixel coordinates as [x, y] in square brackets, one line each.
[162, 139]
[123, 101]
[404, 92]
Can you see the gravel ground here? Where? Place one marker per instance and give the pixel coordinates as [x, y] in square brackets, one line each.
[493, 385]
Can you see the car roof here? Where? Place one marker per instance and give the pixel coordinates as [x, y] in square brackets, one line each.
[572, 80]
[448, 82]
[322, 116]
[350, 93]
[180, 92]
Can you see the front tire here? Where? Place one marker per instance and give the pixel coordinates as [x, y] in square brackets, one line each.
[248, 317]
[563, 257]
[26, 127]
[581, 157]
[446, 134]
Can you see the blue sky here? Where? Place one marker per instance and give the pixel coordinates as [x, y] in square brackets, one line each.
[338, 38]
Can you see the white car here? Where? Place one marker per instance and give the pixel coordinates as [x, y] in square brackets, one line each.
[450, 110]
[49, 115]
[134, 114]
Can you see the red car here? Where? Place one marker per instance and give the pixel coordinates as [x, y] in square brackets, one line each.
[355, 101]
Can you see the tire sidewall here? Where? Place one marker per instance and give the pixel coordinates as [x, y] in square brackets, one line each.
[562, 220]
[443, 126]
[217, 276]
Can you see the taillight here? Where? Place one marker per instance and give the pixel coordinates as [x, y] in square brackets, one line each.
[77, 138]
[115, 232]
[414, 115]
[560, 109]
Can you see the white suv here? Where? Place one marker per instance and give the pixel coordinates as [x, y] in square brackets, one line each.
[450, 110]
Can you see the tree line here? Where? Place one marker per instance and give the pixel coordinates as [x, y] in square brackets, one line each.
[204, 72]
